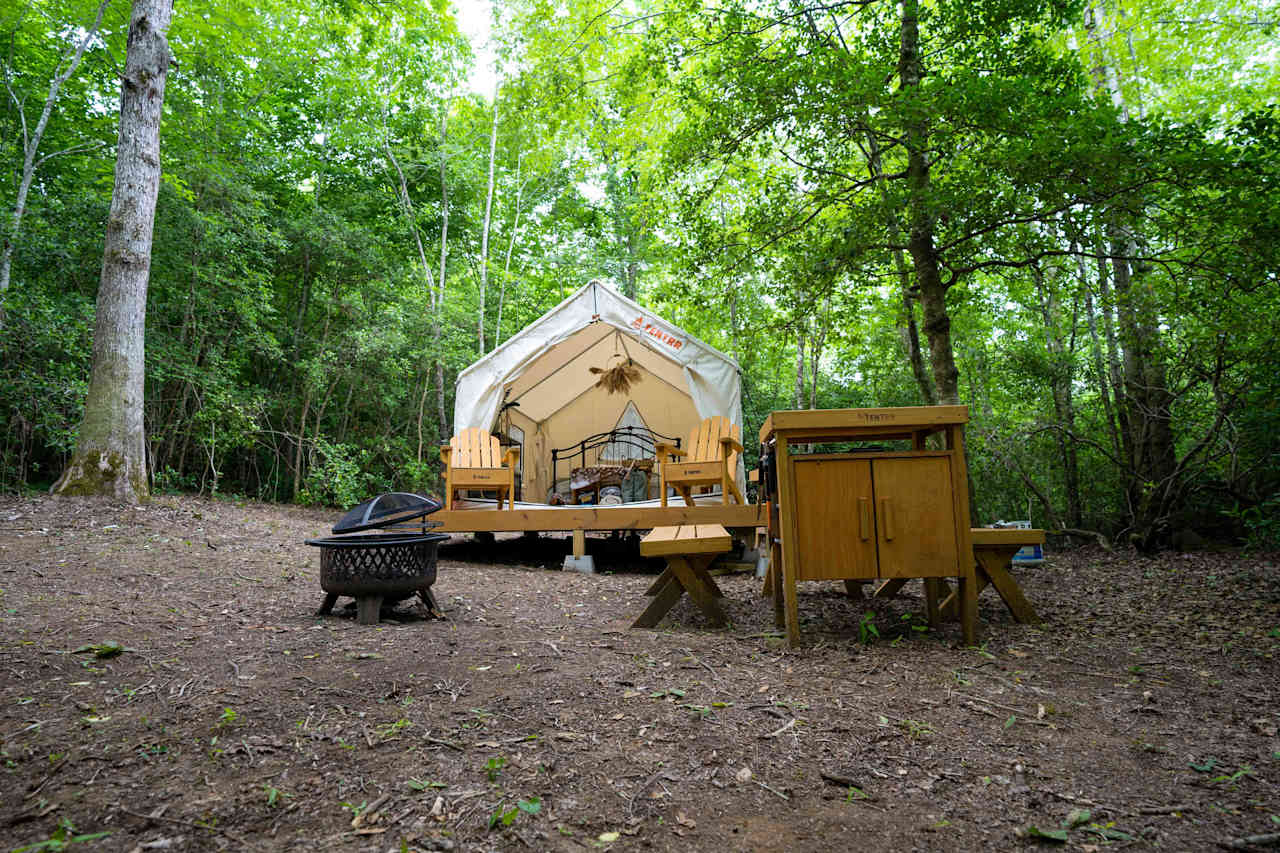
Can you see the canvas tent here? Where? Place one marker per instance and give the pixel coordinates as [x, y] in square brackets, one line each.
[537, 388]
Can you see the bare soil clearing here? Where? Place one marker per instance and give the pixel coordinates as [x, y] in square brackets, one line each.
[1142, 713]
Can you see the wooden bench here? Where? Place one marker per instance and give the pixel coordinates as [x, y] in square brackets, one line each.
[689, 550]
[993, 550]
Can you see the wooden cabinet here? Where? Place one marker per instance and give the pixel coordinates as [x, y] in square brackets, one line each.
[899, 509]
[882, 517]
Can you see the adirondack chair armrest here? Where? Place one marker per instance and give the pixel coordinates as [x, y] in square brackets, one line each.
[445, 453]
[668, 450]
[511, 457]
[729, 444]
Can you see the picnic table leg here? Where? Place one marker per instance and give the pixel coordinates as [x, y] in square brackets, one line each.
[993, 564]
[931, 598]
[692, 574]
[951, 603]
[658, 584]
[775, 575]
[665, 599]
[969, 608]
[711, 582]
[890, 588]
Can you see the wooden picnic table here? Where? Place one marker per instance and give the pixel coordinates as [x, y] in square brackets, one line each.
[689, 549]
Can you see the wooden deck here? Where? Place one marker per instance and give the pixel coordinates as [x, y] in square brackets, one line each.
[478, 516]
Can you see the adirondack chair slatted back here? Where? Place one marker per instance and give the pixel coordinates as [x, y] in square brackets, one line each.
[476, 448]
[704, 441]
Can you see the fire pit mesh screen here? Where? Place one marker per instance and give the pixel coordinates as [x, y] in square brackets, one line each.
[393, 566]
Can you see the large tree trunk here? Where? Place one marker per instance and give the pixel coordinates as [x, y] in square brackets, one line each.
[908, 331]
[110, 454]
[31, 147]
[1153, 468]
[920, 239]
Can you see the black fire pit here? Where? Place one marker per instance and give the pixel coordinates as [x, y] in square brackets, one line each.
[388, 566]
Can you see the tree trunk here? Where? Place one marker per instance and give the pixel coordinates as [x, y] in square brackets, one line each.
[1153, 466]
[1061, 358]
[484, 233]
[506, 262]
[907, 328]
[815, 355]
[1095, 350]
[31, 147]
[920, 239]
[800, 341]
[110, 454]
[411, 219]
[444, 258]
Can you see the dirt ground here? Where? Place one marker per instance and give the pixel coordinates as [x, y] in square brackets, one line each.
[164, 680]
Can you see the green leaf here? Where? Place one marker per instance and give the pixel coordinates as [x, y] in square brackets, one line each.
[1013, 718]
[1055, 835]
[533, 805]
[1077, 817]
[108, 649]
[1209, 764]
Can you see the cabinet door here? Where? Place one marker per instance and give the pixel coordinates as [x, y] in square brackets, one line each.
[835, 523]
[915, 517]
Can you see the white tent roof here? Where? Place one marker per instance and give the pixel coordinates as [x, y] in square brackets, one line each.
[711, 376]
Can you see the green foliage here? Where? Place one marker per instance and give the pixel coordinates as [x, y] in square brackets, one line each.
[743, 169]
[62, 838]
[336, 476]
[868, 633]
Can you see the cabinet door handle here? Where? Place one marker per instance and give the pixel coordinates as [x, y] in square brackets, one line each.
[864, 517]
[886, 518]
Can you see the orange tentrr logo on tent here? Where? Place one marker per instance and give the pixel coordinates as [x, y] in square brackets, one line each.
[653, 331]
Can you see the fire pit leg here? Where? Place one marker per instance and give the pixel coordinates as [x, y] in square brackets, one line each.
[429, 602]
[367, 607]
[325, 609]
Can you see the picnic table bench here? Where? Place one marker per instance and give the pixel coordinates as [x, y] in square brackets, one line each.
[689, 550]
[993, 550]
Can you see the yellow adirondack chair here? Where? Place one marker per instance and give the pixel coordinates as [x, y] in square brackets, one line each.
[711, 457]
[473, 459]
